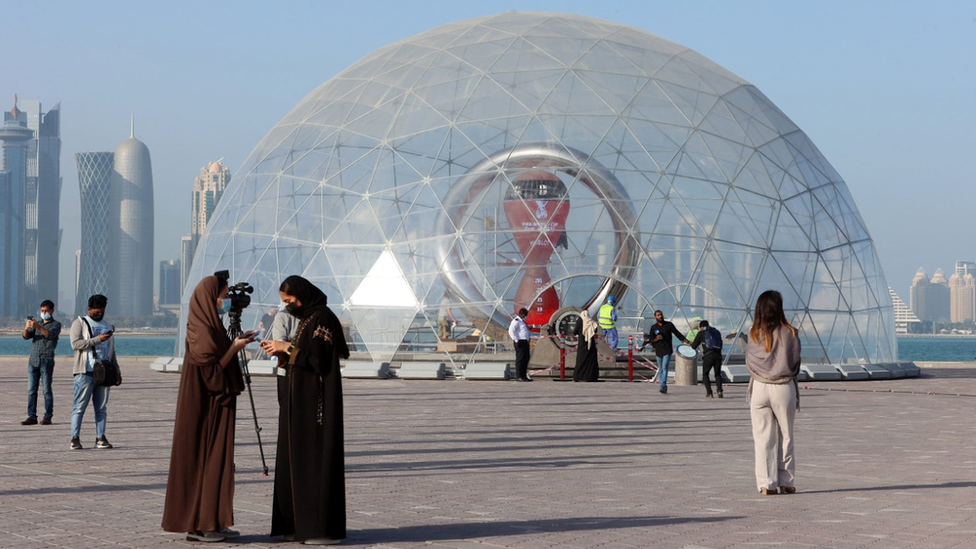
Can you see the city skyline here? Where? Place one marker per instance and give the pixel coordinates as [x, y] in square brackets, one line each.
[890, 137]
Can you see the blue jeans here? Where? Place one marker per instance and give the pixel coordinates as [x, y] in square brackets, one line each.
[662, 370]
[42, 373]
[85, 390]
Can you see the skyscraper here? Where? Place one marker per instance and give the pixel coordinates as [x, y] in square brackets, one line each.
[169, 282]
[94, 182]
[208, 187]
[15, 136]
[42, 200]
[131, 234]
[929, 299]
[962, 292]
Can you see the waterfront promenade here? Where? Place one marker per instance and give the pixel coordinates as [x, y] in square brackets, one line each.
[479, 465]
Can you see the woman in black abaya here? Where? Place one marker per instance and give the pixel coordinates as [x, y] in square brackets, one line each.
[309, 489]
[587, 363]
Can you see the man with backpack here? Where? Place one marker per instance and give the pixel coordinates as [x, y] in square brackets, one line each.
[710, 339]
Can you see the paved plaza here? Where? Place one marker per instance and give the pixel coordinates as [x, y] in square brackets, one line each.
[468, 465]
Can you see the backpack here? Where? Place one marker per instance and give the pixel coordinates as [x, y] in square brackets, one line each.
[712, 339]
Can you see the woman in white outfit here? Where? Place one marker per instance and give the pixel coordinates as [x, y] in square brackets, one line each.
[773, 359]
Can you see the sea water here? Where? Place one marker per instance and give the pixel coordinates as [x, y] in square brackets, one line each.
[125, 345]
[934, 348]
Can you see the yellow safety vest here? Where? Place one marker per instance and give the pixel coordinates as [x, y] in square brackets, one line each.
[606, 318]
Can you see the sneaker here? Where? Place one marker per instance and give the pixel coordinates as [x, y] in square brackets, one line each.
[229, 532]
[102, 443]
[46, 421]
[322, 541]
[76, 444]
[708, 395]
[205, 536]
[720, 394]
[664, 390]
[29, 421]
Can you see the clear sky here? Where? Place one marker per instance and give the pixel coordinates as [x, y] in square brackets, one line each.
[885, 88]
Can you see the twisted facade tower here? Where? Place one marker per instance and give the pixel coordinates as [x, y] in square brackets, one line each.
[94, 182]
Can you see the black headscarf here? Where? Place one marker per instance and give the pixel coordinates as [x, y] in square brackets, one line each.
[314, 301]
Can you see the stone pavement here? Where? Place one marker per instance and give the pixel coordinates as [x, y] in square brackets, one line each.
[466, 464]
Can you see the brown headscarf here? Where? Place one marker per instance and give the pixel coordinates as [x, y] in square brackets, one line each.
[206, 338]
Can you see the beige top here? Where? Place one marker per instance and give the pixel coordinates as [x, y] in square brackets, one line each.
[780, 364]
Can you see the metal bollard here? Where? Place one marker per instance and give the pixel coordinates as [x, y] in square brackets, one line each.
[562, 358]
[630, 358]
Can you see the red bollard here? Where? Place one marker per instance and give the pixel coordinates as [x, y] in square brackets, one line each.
[630, 358]
[562, 359]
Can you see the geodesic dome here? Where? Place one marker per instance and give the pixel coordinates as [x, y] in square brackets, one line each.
[548, 160]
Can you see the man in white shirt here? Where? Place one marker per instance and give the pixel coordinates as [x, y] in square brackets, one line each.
[91, 339]
[519, 333]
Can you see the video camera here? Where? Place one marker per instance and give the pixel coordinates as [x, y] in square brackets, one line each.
[237, 293]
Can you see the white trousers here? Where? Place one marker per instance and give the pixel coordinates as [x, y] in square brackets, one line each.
[773, 408]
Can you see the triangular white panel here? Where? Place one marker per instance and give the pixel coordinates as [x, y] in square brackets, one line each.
[384, 286]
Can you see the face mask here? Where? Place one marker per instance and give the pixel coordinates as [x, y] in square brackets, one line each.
[97, 317]
[293, 310]
[45, 316]
[224, 306]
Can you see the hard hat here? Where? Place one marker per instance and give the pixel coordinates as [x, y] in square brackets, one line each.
[611, 299]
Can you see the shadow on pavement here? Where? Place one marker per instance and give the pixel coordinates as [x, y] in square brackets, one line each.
[468, 530]
[960, 484]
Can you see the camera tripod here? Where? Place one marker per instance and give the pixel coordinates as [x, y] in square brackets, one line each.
[234, 331]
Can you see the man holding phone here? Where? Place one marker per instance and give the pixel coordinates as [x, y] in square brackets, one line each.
[40, 366]
[91, 336]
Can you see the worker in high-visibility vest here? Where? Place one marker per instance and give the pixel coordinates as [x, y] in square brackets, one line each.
[607, 317]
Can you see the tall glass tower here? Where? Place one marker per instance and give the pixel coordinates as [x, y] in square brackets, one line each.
[131, 234]
[42, 200]
[94, 180]
[15, 136]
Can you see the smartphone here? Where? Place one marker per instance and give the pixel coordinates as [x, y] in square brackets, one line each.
[110, 332]
[30, 318]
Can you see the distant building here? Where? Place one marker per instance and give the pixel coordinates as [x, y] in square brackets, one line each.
[208, 188]
[929, 298]
[962, 292]
[42, 200]
[904, 317]
[94, 184]
[186, 258]
[15, 136]
[77, 283]
[131, 230]
[169, 282]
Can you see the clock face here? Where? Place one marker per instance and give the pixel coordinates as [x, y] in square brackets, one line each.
[566, 326]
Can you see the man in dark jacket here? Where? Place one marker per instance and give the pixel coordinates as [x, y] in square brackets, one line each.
[659, 336]
[710, 339]
[40, 366]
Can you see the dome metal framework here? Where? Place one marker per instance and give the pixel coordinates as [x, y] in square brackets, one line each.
[395, 186]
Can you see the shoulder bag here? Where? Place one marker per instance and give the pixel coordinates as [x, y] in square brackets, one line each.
[105, 373]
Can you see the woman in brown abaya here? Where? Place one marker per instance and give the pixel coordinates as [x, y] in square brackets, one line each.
[310, 491]
[200, 489]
